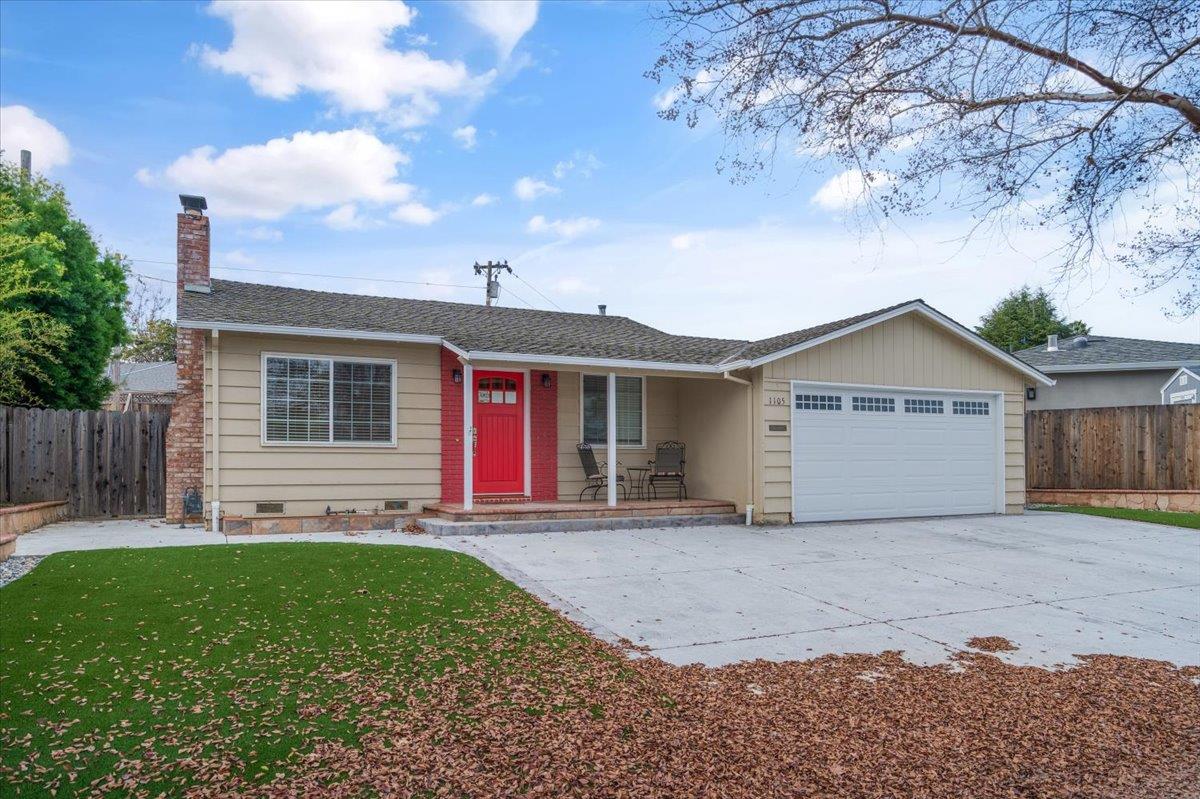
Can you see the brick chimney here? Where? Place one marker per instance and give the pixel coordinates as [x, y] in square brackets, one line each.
[185, 435]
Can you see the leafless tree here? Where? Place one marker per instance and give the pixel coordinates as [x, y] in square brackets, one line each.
[1083, 114]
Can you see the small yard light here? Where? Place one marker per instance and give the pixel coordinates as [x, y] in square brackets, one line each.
[545, 380]
[456, 375]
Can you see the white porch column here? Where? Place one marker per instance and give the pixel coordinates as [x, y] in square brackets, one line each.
[612, 439]
[468, 436]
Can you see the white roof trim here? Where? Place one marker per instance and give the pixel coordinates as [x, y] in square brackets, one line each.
[937, 318]
[323, 332]
[1132, 366]
[1175, 377]
[614, 363]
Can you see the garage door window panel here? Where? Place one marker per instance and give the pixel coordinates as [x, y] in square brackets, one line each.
[874, 404]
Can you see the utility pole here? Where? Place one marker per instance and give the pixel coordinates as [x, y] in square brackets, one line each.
[493, 283]
[26, 165]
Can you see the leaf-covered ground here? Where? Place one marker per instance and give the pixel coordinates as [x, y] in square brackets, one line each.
[342, 670]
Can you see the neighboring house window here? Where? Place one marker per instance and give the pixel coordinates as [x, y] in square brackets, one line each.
[630, 410]
[327, 400]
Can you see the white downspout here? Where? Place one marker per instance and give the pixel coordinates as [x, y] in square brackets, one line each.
[612, 439]
[216, 430]
[749, 443]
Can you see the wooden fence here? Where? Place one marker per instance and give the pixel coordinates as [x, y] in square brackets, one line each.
[104, 463]
[1146, 447]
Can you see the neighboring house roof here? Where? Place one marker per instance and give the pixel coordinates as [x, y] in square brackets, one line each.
[1193, 370]
[496, 332]
[1110, 353]
[133, 377]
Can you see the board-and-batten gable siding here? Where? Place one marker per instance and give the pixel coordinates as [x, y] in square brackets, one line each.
[904, 351]
[307, 478]
[662, 424]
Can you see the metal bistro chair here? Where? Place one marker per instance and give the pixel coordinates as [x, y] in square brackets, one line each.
[668, 467]
[596, 474]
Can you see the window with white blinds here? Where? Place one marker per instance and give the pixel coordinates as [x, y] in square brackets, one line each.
[630, 410]
[326, 400]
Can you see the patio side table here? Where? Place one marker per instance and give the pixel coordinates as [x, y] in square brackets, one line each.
[637, 477]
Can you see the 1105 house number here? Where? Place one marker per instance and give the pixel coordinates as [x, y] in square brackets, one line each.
[777, 400]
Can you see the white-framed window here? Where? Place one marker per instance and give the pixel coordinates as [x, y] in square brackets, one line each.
[873, 404]
[923, 405]
[318, 399]
[818, 402]
[971, 407]
[631, 410]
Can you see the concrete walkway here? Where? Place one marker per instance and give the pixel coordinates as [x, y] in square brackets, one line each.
[1055, 584]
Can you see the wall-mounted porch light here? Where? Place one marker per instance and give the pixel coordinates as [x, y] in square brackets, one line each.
[1031, 393]
[545, 380]
[456, 375]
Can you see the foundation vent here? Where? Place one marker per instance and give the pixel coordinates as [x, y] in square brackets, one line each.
[395, 504]
[268, 507]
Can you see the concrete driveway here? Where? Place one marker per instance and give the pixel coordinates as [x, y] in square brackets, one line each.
[1054, 584]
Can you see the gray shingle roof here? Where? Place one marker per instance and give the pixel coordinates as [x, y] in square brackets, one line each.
[138, 377]
[1109, 350]
[479, 328]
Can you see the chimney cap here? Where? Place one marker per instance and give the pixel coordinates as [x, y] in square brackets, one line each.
[193, 203]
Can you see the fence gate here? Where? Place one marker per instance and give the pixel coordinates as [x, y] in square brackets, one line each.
[104, 463]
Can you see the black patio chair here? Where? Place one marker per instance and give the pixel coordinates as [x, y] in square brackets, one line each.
[668, 467]
[596, 474]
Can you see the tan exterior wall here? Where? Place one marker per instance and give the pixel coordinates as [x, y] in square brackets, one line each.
[714, 423]
[307, 478]
[907, 351]
[662, 424]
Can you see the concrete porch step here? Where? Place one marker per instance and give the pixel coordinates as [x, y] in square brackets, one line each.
[443, 527]
[558, 511]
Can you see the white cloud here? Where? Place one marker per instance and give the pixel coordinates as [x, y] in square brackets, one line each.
[263, 233]
[307, 171]
[583, 161]
[465, 136]
[415, 214]
[21, 129]
[506, 21]
[483, 199]
[338, 50]
[345, 217]
[235, 258]
[685, 241]
[572, 285]
[528, 188]
[563, 228]
[847, 189]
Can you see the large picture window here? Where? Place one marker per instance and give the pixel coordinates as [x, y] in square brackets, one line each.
[630, 410]
[326, 400]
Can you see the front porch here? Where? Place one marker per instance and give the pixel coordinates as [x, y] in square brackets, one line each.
[567, 509]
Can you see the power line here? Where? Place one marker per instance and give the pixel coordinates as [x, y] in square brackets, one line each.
[540, 294]
[319, 274]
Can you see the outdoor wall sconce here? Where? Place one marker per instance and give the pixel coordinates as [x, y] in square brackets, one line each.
[1031, 393]
[545, 380]
[456, 375]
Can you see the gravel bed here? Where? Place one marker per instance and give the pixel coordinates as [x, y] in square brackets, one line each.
[17, 566]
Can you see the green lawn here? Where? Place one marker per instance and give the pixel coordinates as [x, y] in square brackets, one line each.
[1153, 516]
[250, 655]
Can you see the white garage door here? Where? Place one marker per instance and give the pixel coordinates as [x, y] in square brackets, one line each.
[859, 453]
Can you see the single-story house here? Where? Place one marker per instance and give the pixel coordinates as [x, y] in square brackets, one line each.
[1102, 371]
[1180, 388]
[138, 386]
[293, 401]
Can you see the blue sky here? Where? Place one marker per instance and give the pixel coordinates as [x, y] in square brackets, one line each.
[404, 142]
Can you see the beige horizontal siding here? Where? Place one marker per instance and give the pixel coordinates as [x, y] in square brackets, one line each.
[907, 351]
[308, 478]
[662, 424]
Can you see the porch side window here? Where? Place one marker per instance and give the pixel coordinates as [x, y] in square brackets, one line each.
[326, 400]
[629, 410]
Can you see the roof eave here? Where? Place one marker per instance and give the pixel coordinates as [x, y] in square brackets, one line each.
[1127, 366]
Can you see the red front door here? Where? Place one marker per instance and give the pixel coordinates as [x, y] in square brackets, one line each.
[499, 466]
